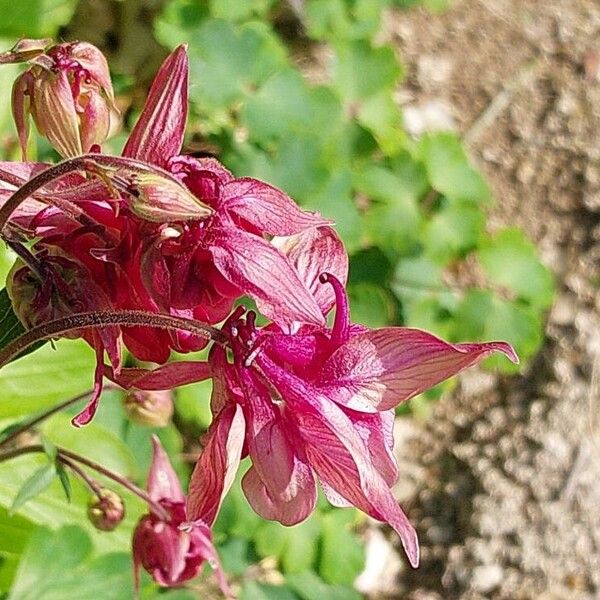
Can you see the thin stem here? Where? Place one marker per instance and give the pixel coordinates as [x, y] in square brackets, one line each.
[35, 266]
[94, 320]
[46, 414]
[62, 453]
[89, 481]
[89, 163]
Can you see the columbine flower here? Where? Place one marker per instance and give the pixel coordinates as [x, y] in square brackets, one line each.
[68, 92]
[318, 404]
[172, 549]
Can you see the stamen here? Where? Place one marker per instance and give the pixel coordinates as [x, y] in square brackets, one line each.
[341, 324]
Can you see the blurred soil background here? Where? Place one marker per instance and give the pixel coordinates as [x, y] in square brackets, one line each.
[503, 478]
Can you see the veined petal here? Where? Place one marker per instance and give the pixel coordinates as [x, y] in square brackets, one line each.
[314, 252]
[53, 110]
[163, 483]
[376, 431]
[215, 470]
[379, 369]
[338, 454]
[280, 485]
[165, 377]
[265, 274]
[158, 133]
[266, 207]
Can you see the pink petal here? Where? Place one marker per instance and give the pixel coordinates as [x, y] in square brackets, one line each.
[158, 133]
[87, 414]
[266, 207]
[265, 274]
[280, 485]
[215, 470]
[313, 252]
[55, 115]
[338, 454]
[379, 369]
[166, 377]
[163, 483]
[376, 431]
[203, 538]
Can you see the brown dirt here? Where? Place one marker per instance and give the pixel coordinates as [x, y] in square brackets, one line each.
[503, 479]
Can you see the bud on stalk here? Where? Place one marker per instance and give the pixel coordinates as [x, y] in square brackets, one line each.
[106, 510]
[68, 92]
[152, 408]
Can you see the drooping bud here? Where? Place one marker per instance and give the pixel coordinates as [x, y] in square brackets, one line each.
[106, 510]
[152, 408]
[24, 50]
[68, 92]
[167, 546]
[162, 199]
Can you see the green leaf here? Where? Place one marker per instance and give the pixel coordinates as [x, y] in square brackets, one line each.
[370, 304]
[92, 440]
[74, 573]
[361, 71]
[35, 484]
[510, 260]
[253, 590]
[452, 231]
[235, 555]
[52, 510]
[233, 10]
[342, 556]
[449, 170]
[226, 61]
[39, 380]
[392, 220]
[34, 18]
[294, 547]
[63, 477]
[381, 116]
[309, 586]
[483, 316]
[192, 404]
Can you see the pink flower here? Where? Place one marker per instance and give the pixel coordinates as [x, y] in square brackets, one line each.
[168, 546]
[318, 403]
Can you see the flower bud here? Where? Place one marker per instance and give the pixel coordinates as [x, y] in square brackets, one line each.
[67, 91]
[161, 199]
[152, 408]
[106, 510]
[24, 50]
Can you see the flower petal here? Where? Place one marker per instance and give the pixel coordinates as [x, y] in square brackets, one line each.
[314, 252]
[215, 470]
[379, 369]
[265, 274]
[266, 207]
[163, 483]
[158, 133]
[338, 454]
[280, 485]
[166, 377]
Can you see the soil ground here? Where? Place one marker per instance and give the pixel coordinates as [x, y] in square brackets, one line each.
[503, 479]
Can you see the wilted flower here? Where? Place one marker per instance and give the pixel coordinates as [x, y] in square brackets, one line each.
[152, 408]
[68, 92]
[172, 549]
[106, 510]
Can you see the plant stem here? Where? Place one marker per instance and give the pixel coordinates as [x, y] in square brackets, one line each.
[63, 453]
[94, 320]
[89, 481]
[43, 416]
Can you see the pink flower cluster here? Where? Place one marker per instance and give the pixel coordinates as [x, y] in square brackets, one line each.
[170, 234]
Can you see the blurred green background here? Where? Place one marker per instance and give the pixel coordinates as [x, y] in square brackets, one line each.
[301, 94]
